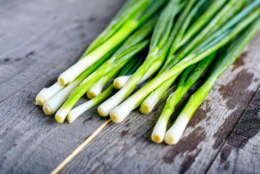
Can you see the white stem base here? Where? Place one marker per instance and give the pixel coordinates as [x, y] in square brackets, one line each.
[77, 111]
[46, 93]
[174, 134]
[75, 70]
[105, 108]
[120, 82]
[96, 89]
[52, 105]
[41, 97]
[148, 105]
[159, 130]
[119, 113]
[61, 115]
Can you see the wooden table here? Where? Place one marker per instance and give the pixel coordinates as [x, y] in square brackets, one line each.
[41, 38]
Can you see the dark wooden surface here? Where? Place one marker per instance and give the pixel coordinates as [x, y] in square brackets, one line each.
[41, 38]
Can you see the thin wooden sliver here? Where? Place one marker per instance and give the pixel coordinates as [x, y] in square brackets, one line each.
[79, 148]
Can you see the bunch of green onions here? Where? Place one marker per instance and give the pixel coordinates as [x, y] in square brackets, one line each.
[180, 40]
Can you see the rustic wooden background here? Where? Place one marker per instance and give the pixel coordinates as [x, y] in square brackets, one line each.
[41, 38]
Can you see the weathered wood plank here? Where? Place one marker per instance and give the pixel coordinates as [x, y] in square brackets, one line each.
[240, 154]
[33, 143]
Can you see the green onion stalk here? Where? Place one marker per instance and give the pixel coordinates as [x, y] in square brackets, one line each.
[175, 132]
[159, 47]
[79, 110]
[187, 80]
[220, 19]
[97, 88]
[180, 28]
[134, 44]
[116, 35]
[211, 45]
[230, 9]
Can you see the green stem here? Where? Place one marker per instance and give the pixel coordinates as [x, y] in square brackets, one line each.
[127, 12]
[203, 20]
[224, 15]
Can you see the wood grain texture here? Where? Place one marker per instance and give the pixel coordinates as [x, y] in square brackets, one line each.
[240, 153]
[39, 39]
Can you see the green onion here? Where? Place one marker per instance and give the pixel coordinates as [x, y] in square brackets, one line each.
[211, 45]
[150, 102]
[188, 79]
[178, 32]
[175, 132]
[158, 49]
[179, 38]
